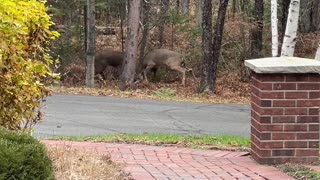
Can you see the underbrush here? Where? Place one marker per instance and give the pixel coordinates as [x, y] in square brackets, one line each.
[230, 88]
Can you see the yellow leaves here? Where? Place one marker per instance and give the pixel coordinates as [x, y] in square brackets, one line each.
[1, 63]
[38, 68]
[24, 63]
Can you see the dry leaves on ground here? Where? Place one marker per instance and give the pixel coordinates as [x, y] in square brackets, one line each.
[229, 89]
[71, 164]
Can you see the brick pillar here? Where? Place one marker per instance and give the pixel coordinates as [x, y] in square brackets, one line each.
[285, 117]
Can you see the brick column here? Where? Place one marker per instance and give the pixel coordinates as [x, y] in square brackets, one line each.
[285, 117]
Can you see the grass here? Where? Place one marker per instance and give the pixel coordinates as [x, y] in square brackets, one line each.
[298, 171]
[164, 93]
[204, 142]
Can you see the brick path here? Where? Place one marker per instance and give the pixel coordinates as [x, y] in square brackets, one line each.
[145, 162]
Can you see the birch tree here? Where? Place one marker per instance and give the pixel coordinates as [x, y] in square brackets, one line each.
[289, 40]
[318, 53]
[274, 27]
[91, 43]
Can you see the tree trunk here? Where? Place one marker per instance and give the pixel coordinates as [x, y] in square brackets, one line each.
[290, 40]
[85, 18]
[257, 31]
[309, 18]
[318, 54]
[129, 64]
[199, 7]
[91, 43]
[216, 46]
[274, 27]
[234, 8]
[177, 5]
[245, 6]
[316, 15]
[145, 32]
[163, 19]
[206, 84]
[184, 6]
[121, 24]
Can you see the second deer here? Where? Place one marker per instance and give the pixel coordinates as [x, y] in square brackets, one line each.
[164, 57]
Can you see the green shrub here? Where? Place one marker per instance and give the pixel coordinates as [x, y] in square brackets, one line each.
[23, 157]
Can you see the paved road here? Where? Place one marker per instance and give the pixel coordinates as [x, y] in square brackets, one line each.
[75, 115]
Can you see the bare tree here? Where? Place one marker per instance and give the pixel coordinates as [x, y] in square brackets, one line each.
[91, 43]
[145, 32]
[257, 31]
[217, 39]
[130, 59]
[274, 27]
[184, 6]
[309, 16]
[199, 7]
[234, 8]
[206, 84]
[163, 19]
[210, 64]
[289, 40]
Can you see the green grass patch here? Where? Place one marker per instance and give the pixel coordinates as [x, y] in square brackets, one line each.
[164, 93]
[205, 141]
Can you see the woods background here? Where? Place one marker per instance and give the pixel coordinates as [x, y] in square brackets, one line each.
[176, 25]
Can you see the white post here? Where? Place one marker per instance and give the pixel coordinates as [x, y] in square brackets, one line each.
[289, 40]
[274, 27]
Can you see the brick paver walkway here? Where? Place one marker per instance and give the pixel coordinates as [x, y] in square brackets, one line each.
[145, 162]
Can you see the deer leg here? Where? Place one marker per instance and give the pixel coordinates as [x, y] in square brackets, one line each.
[145, 75]
[190, 70]
[183, 72]
[154, 72]
[145, 71]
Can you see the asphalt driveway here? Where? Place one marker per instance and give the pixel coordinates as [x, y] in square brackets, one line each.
[74, 115]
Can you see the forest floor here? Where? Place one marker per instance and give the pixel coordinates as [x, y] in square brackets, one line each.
[229, 89]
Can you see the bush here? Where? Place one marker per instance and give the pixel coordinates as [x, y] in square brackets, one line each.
[24, 62]
[23, 157]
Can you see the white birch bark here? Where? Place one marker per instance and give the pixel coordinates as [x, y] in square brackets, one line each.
[318, 54]
[274, 27]
[289, 40]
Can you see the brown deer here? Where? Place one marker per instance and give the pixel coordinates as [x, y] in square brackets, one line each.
[107, 58]
[164, 57]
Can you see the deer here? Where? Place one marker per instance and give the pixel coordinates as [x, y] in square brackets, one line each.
[107, 58]
[164, 57]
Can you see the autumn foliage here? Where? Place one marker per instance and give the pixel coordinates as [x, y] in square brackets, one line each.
[24, 62]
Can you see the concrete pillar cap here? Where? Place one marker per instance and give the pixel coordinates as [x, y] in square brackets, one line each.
[283, 65]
